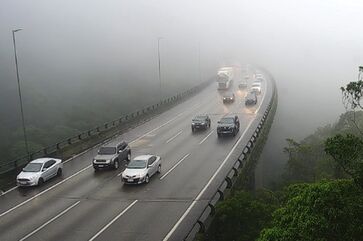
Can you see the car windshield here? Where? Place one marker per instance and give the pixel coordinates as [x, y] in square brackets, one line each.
[107, 151]
[250, 96]
[33, 167]
[228, 120]
[228, 95]
[137, 164]
[199, 118]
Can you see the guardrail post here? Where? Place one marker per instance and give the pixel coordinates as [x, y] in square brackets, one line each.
[212, 209]
[98, 129]
[69, 141]
[80, 136]
[229, 182]
[221, 195]
[106, 125]
[201, 226]
[89, 132]
[58, 146]
[235, 170]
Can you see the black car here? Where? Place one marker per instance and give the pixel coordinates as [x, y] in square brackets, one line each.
[200, 122]
[251, 98]
[228, 97]
[111, 155]
[228, 125]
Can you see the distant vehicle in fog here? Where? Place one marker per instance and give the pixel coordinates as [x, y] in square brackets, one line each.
[225, 77]
[251, 98]
[256, 87]
[228, 97]
[201, 122]
[38, 171]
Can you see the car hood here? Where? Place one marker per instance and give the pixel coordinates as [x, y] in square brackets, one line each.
[133, 172]
[104, 157]
[225, 125]
[28, 175]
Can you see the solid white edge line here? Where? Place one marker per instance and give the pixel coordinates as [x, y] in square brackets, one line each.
[205, 138]
[49, 221]
[44, 191]
[206, 186]
[172, 138]
[177, 164]
[113, 220]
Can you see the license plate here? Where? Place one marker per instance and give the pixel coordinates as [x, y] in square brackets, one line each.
[130, 180]
[23, 183]
[100, 165]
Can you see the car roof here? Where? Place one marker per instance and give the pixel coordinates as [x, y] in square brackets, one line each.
[143, 157]
[113, 144]
[41, 160]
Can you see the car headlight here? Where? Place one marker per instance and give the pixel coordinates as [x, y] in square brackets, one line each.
[193, 124]
[203, 123]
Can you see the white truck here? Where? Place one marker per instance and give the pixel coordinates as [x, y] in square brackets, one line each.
[225, 76]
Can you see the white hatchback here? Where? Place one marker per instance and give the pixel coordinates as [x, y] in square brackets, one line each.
[38, 171]
[141, 169]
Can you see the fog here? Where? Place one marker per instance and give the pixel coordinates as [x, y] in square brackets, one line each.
[97, 57]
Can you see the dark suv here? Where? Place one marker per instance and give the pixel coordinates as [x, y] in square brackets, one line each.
[110, 156]
[228, 125]
[200, 122]
[251, 98]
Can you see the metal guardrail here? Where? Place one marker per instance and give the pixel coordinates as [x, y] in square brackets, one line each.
[204, 218]
[14, 164]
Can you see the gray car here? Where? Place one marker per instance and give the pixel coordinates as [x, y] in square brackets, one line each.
[251, 98]
[111, 155]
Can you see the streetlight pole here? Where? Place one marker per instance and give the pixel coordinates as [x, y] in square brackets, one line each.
[19, 92]
[159, 66]
[199, 71]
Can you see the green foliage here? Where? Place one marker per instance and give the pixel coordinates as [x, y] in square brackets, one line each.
[352, 95]
[242, 216]
[324, 211]
[347, 151]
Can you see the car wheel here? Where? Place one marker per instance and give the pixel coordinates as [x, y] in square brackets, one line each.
[159, 169]
[128, 158]
[96, 169]
[40, 181]
[219, 135]
[193, 129]
[116, 164]
[59, 172]
[147, 179]
[234, 132]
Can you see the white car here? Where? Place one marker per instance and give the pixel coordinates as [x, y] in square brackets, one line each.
[256, 87]
[39, 170]
[141, 169]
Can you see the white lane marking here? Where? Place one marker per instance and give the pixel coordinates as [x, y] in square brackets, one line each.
[205, 138]
[172, 138]
[46, 190]
[11, 189]
[177, 164]
[157, 128]
[113, 220]
[206, 186]
[261, 100]
[64, 180]
[51, 220]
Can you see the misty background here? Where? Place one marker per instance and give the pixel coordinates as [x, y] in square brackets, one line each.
[86, 62]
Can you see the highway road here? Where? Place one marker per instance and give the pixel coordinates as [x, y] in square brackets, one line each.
[88, 205]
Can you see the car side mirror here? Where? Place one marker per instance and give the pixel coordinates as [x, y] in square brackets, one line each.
[44, 169]
[119, 151]
[148, 166]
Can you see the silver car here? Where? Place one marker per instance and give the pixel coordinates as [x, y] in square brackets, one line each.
[141, 169]
[38, 171]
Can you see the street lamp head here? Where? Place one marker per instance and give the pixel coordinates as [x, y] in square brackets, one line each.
[16, 30]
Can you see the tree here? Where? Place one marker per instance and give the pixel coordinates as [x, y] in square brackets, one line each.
[323, 211]
[347, 151]
[242, 216]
